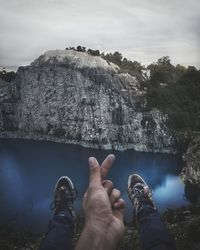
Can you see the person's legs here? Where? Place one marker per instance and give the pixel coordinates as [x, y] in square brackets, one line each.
[60, 233]
[152, 231]
[61, 228]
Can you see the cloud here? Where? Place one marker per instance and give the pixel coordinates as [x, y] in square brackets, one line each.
[140, 30]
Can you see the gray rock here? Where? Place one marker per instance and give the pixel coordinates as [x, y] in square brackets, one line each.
[73, 97]
[191, 170]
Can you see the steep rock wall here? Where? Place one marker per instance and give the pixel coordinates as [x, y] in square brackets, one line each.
[191, 170]
[73, 97]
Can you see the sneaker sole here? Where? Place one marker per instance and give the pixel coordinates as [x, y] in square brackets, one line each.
[138, 176]
[68, 181]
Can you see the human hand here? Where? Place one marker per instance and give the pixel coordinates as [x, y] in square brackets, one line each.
[103, 209]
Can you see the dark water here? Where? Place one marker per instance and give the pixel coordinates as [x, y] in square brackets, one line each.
[29, 170]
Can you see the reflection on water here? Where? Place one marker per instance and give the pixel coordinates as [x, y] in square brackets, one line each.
[169, 193]
[29, 170]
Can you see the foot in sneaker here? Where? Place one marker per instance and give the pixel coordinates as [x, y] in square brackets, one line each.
[64, 196]
[139, 192]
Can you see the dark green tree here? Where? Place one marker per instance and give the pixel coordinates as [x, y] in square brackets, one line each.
[179, 97]
[93, 52]
[7, 76]
[81, 48]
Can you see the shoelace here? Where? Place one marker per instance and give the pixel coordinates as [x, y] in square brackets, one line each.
[65, 198]
[140, 190]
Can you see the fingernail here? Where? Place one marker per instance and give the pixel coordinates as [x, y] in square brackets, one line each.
[111, 157]
[91, 160]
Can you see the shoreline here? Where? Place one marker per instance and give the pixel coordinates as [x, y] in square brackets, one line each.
[86, 144]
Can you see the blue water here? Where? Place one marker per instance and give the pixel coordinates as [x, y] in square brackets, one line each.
[29, 170]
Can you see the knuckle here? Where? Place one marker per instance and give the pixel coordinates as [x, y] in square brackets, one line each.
[108, 183]
[116, 192]
[122, 202]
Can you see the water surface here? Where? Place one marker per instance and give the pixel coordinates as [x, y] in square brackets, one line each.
[29, 170]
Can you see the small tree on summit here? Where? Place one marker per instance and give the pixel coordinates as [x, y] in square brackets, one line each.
[116, 57]
[164, 60]
[93, 52]
[81, 49]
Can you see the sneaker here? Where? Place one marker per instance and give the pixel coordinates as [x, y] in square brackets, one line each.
[64, 196]
[139, 192]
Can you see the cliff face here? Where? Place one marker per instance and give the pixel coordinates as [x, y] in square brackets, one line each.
[9, 97]
[73, 97]
[191, 170]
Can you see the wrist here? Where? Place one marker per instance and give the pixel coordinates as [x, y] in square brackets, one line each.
[97, 235]
[93, 238]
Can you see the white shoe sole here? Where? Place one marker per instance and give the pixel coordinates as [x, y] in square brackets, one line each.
[68, 180]
[130, 179]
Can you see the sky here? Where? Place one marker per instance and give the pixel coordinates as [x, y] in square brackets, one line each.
[142, 30]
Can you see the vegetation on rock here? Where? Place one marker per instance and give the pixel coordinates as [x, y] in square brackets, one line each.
[175, 90]
[7, 76]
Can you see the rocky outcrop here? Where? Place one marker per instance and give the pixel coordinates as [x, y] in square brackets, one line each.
[183, 224]
[191, 170]
[9, 97]
[73, 97]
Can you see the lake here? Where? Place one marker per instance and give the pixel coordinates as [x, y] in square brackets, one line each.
[29, 170]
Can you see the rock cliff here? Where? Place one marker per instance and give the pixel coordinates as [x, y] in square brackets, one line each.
[191, 169]
[73, 97]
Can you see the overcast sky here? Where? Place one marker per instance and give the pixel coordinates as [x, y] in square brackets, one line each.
[141, 30]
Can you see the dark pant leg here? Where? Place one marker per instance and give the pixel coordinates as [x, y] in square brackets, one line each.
[152, 231]
[60, 233]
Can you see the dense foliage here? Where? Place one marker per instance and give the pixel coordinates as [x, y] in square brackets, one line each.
[7, 76]
[176, 91]
[131, 67]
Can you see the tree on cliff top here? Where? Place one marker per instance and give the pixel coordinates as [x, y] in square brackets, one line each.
[175, 90]
[128, 66]
[7, 76]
